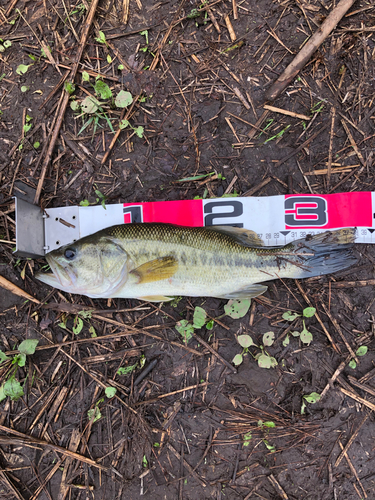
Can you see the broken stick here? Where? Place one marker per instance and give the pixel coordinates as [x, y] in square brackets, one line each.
[308, 49]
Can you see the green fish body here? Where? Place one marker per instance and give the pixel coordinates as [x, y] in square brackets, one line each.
[159, 261]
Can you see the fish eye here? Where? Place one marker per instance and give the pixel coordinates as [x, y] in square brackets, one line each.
[70, 253]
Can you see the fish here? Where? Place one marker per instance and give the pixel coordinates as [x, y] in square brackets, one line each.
[156, 262]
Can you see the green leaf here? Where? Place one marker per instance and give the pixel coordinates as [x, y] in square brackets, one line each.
[312, 398]
[92, 331]
[245, 341]
[247, 438]
[123, 124]
[289, 316]
[264, 361]
[185, 329]
[102, 90]
[144, 461]
[85, 76]
[2, 394]
[110, 392]
[90, 105]
[22, 69]
[19, 359]
[94, 414]
[210, 325]
[362, 350]
[101, 38]
[120, 67]
[126, 370]
[28, 346]
[69, 87]
[84, 203]
[309, 312]
[139, 131]
[305, 336]
[352, 364]
[13, 389]
[109, 59]
[286, 341]
[199, 318]
[295, 334]
[36, 144]
[78, 325]
[269, 446]
[237, 360]
[195, 177]
[269, 424]
[25, 88]
[7, 43]
[75, 105]
[3, 357]
[123, 99]
[237, 308]
[268, 338]
[274, 363]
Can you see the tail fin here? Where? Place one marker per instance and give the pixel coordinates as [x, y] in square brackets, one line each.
[325, 253]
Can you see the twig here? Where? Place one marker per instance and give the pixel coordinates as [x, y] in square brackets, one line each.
[16, 290]
[308, 49]
[286, 112]
[25, 440]
[358, 398]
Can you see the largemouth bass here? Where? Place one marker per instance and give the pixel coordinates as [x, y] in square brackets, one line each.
[158, 261]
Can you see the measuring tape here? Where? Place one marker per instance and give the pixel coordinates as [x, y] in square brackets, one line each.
[276, 219]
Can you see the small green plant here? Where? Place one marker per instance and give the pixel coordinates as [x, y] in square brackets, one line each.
[100, 197]
[278, 135]
[305, 336]
[9, 365]
[4, 44]
[101, 38]
[110, 392]
[94, 414]
[361, 351]
[22, 69]
[247, 438]
[263, 358]
[317, 108]
[312, 398]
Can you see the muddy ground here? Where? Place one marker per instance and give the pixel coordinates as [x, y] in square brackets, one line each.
[195, 426]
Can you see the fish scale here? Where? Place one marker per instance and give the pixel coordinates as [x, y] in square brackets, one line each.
[157, 261]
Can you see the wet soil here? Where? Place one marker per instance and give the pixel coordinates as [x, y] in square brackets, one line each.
[193, 427]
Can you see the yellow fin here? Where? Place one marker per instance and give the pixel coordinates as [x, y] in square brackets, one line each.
[156, 270]
[156, 298]
[242, 236]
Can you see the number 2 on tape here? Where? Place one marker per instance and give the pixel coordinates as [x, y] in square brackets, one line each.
[212, 218]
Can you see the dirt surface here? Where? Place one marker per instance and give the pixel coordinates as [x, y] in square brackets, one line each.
[194, 426]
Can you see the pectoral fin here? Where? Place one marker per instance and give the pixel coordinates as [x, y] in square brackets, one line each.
[249, 292]
[156, 298]
[241, 235]
[156, 270]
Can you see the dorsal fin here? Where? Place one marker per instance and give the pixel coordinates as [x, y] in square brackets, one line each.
[243, 236]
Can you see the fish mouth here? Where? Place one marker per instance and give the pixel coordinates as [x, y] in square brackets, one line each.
[59, 278]
[48, 279]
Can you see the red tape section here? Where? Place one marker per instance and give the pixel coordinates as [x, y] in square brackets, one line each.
[328, 211]
[182, 213]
